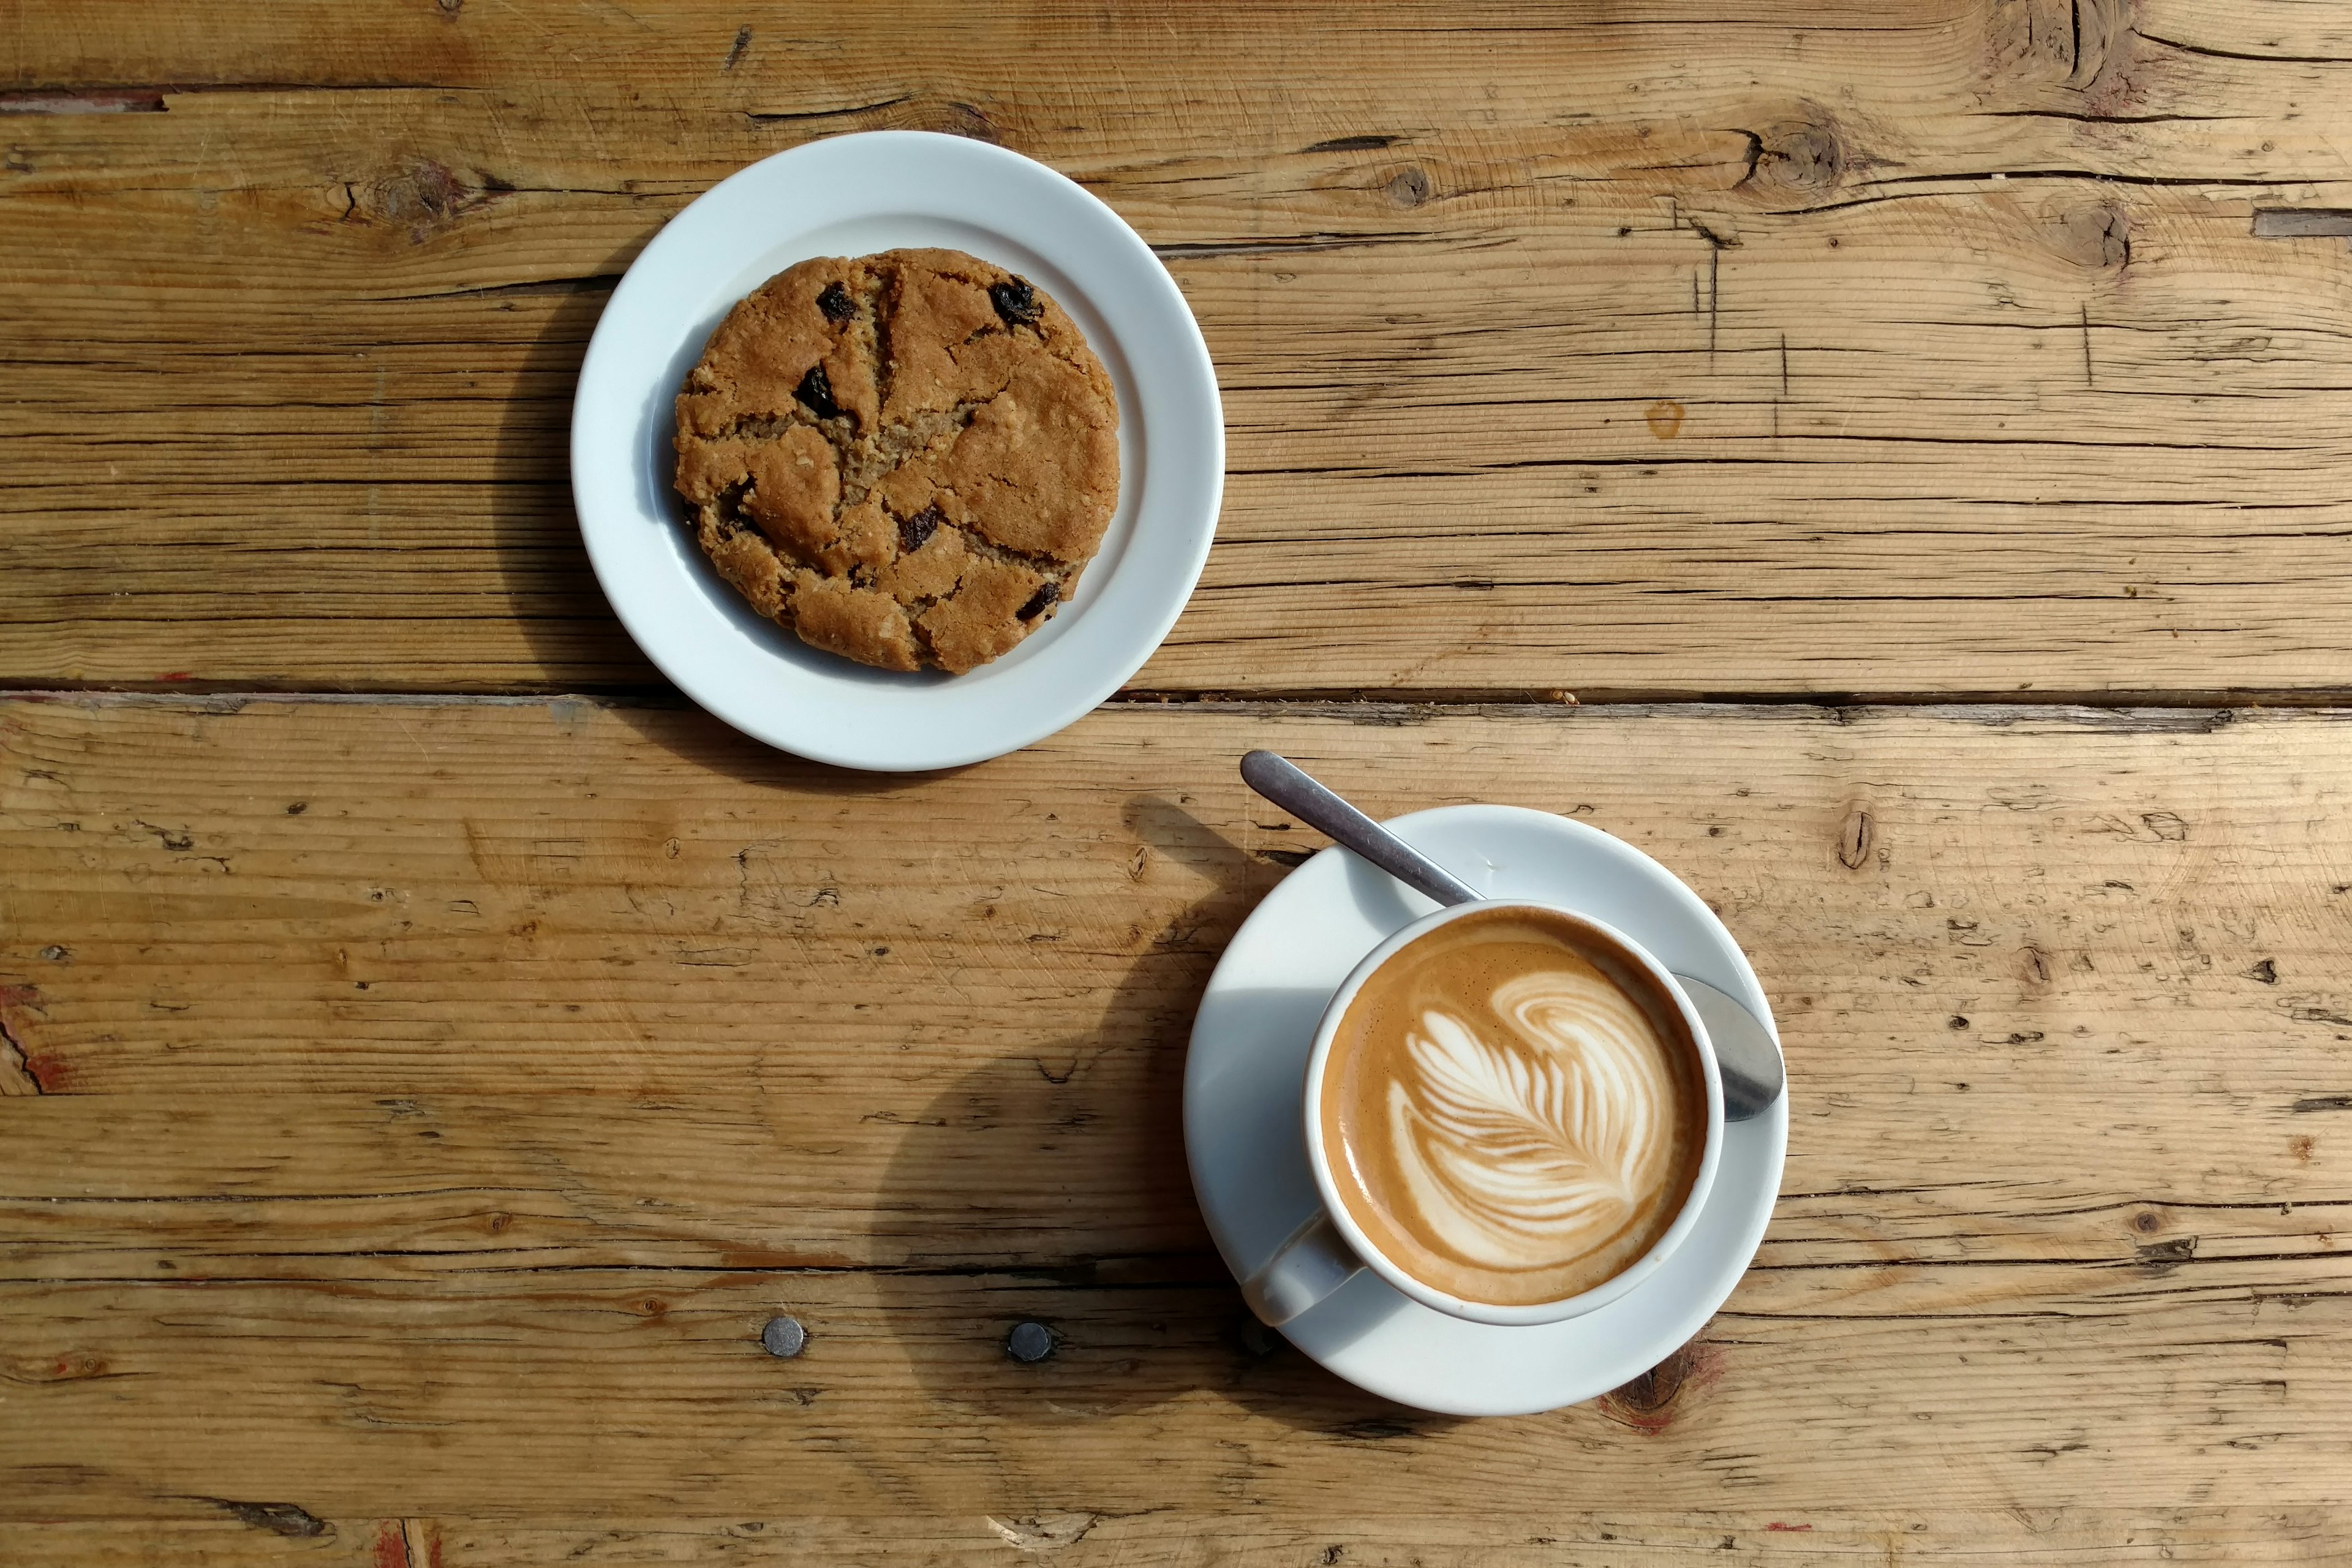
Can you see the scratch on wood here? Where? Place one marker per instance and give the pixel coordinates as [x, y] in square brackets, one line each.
[1714, 298]
[1780, 401]
[743, 42]
[589, 283]
[1043, 1531]
[17, 1075]
[147, 98]
[21, 1072]
[1718, 242]
[93, 100]
[2088, 379]
[774, 117]
[1380, 1429]
[1281, 245]
[278, 1518]
[2214, 54]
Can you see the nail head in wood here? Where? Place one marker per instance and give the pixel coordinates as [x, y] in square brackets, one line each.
[1029, 1343]
[784, 1337]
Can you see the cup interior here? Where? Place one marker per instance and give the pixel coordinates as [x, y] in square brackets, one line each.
[1600, 939]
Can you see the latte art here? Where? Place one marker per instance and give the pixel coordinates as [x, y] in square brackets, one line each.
[1530, 1154]
[1514, 1121]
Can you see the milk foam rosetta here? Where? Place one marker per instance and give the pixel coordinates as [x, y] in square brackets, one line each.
[1512, 1122]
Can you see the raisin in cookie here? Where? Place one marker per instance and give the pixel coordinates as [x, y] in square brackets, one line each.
[907, 458]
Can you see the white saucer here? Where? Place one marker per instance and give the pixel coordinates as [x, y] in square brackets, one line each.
[1244, 1075]
[849, 197]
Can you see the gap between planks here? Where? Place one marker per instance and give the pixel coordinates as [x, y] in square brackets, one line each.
[1378, 704]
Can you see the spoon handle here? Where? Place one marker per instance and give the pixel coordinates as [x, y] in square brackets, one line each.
[1753, 1072]
[1283, 782]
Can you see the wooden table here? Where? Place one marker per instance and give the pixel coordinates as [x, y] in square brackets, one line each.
[1919, 431]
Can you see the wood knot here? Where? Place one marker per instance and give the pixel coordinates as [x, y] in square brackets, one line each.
[958, 119]
[2101, 32]
[2161, 1258]
[2082, 46]
[424, 197]
[2094, 235]
[72, 1367]
[1856, 834]
[1803, 157]
[1649, 1403]
[1408, 189]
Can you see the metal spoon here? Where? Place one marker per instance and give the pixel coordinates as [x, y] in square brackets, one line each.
[1753, 1074]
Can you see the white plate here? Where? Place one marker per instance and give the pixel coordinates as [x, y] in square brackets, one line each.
[1243, 1132]
[850, 196]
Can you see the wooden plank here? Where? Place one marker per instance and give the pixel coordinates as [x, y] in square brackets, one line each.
[1729, 1538]
[1908, 348]
[301, 1186]
[2033, 1385]
[334, 1200]
[225, 1543]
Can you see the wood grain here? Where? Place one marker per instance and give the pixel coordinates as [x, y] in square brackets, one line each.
[1899, 348]
[1727, 1538]
[412, 1107]
[434, 1152]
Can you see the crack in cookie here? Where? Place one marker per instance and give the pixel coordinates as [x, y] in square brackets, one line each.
[908, 457]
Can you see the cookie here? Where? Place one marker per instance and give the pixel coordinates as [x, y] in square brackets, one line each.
[907, 458]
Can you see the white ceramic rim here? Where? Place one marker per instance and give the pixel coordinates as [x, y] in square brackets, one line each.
[1610, 1289]
[854, 195]
[1249, 1164]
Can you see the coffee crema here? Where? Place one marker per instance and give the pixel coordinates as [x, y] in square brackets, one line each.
[1513, 1113]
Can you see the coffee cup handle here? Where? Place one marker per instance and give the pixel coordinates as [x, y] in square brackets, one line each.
[1315, 1261]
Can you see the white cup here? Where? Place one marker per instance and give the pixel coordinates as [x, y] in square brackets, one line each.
[1328, 1248]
